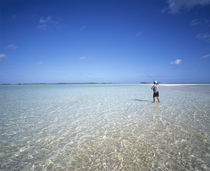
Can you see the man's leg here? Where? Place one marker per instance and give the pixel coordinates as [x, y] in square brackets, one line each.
[158, 99]
[153, 99]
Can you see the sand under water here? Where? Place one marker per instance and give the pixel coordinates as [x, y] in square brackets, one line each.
[104, 127]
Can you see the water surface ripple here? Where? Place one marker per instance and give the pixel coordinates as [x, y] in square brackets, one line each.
[103, 127]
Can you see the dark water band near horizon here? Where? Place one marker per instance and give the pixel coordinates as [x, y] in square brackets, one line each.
[104, 127]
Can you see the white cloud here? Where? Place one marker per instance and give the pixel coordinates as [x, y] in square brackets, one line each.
[176, 62]
[11, 46]
[203, 36]
[2, 56]
[45, 19]
[83, 58]
[175, 6]
[43, 26]
[205, 56]
[195, 22]
[45, 22]
[203, 22]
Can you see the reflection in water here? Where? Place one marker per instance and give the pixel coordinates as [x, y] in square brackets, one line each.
[103, 128]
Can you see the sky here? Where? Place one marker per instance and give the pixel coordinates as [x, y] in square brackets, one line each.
[118, 41]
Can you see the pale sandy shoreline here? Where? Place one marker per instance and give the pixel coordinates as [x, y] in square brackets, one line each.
[175, 85]
[169, 85]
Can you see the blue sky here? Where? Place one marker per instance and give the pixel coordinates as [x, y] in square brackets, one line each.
[119, 41]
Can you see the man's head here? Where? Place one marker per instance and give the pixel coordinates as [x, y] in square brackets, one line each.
[155, 82]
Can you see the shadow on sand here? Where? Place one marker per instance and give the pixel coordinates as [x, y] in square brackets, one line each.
[141, 100]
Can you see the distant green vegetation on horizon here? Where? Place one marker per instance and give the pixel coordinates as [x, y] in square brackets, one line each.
[52, 83]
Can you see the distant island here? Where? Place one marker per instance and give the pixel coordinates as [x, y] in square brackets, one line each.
[98, 83]
[144, 83]
[54, 83]
[149, 83]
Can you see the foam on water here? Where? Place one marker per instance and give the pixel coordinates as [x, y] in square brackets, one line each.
[103, 127]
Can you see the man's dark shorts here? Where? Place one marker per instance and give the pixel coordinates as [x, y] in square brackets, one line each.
[156, 94]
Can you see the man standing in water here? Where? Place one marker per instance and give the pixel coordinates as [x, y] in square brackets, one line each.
[155, 91]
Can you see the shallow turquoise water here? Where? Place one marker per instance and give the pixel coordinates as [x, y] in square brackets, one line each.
[104, 127]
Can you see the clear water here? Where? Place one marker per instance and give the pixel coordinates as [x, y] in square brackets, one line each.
[103, 127]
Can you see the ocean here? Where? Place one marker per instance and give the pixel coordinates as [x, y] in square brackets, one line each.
[104, 127]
